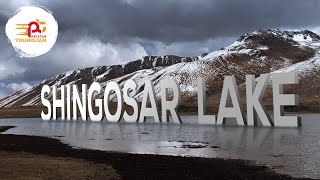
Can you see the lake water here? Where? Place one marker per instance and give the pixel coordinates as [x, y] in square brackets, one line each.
[293, 151]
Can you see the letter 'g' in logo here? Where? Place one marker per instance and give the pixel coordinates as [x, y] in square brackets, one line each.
[32, 31]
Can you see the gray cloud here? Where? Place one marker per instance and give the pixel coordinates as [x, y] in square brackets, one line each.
[99, 32]
[172, 21]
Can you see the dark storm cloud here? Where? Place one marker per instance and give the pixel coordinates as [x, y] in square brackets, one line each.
[188, 20]
[3, 20]
[97, 32]
[172, 21]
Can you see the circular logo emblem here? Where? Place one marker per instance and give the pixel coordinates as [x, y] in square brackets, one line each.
[32, 31]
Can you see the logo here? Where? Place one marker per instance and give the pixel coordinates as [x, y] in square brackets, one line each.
[32, 31]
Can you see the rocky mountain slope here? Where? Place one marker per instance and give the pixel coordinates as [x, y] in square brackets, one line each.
[253, 53]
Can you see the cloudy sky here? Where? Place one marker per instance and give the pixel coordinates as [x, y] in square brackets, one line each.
[97, 32]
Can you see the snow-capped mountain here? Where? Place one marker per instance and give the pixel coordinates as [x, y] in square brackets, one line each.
[256, 53]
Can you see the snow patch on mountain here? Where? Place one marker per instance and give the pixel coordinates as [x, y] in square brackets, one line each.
[304, 67]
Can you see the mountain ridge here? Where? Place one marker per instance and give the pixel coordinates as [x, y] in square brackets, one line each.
[258, 52]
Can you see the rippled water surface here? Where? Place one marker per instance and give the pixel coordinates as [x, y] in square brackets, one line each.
[294, 151]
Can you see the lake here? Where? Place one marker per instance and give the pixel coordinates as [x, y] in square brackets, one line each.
[293, 151]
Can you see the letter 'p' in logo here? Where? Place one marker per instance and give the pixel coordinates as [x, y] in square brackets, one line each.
[32, 27]
[32, 31]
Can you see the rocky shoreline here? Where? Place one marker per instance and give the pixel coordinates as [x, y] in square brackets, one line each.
[141, 166]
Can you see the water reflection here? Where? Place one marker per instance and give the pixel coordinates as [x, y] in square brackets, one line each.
[292, 150]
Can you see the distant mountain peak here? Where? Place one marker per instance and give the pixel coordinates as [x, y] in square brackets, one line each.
[302, 35]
